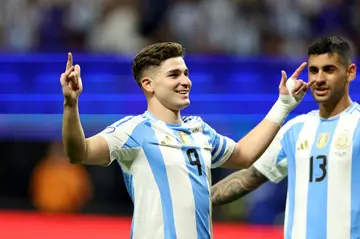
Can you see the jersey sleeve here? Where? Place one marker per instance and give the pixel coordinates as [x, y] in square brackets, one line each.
[273, 163]
[221, 146]
[123, 146]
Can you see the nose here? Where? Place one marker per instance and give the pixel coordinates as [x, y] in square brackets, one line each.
[320, 78]
[185, 81]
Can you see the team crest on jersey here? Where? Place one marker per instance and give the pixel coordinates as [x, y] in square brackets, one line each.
[342, 141]
[185, 138]
[323, 140]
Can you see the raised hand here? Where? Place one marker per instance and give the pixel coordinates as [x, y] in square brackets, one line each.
[293, 90]
[70, 81]
[293, 85]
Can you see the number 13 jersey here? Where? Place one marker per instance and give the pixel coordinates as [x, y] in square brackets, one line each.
[166, 168]
[321, 158]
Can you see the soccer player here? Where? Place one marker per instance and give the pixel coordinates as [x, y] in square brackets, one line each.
[318, 151]
[165, 158]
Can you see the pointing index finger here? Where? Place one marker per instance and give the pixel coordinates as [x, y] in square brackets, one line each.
[69, 62]
[310, 83]
[299, 70]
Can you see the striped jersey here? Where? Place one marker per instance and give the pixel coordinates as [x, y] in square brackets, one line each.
[166, 168]
[321, 158]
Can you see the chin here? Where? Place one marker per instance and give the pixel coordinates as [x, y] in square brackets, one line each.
[182, 105]
[322, 99]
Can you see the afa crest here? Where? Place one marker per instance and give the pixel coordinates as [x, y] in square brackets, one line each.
[342, 141]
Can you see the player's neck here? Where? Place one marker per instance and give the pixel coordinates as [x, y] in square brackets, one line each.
[330, 110]
[164, 114]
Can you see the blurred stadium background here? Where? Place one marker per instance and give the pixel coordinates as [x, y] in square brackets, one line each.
[236, 50]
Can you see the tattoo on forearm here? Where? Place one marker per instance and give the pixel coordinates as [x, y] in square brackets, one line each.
[236, 186]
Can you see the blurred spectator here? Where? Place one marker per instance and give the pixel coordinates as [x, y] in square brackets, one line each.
[240, 27]
[117, 29]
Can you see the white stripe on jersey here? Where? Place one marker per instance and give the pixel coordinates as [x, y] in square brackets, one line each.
[307, 132]
[339, 181]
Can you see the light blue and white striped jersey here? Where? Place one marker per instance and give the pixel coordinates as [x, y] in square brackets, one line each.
[321, 158]
[167, 173]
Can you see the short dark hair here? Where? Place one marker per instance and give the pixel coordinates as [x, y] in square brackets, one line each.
[331, 45]
[154, 55]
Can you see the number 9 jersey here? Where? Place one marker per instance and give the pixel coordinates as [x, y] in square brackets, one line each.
[321, 158]
[166, 168]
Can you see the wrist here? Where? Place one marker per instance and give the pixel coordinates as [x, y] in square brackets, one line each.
[278, 112]
[70, 103]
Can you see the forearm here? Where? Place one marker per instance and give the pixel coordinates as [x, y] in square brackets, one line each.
[254, 144]
[236, 186]
[73, 134]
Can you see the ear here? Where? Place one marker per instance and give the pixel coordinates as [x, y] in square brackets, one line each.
[146, 84]
[351, 71]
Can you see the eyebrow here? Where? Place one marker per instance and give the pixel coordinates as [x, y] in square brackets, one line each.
[178, 70]
[325, 66]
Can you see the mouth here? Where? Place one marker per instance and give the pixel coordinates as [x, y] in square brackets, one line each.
[183, 92]
[321, 91]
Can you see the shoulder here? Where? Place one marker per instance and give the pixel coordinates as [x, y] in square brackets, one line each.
[127, 122]
[354, 111]
[299, 120]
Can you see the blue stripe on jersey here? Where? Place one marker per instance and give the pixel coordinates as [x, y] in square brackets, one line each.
[130, 143]
[318, 181]
[209, 133]
[281, 155]
[128, 180]
[201, 191]
[214, 141]
[289, 147]
[158, 168]
[218, 144]
[355, 182]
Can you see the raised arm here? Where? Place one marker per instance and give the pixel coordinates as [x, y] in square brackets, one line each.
[236, 185]
[93, 150]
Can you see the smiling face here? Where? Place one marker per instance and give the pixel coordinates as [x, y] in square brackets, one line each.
[170, 84]
[161, 72]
